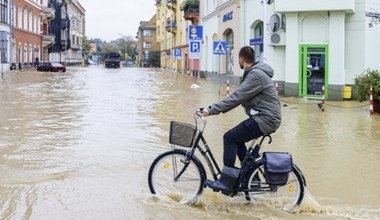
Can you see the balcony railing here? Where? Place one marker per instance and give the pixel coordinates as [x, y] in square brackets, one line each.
[171, 26]
[48, 13]
[75, 46]
[172, 4]
[48, 39]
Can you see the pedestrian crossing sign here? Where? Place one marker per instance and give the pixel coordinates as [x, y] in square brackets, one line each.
[220, 47]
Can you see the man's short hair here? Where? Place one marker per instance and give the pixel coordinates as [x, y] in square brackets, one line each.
[248, 54]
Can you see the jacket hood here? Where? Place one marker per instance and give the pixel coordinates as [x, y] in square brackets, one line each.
[264, 67]
[258, 66]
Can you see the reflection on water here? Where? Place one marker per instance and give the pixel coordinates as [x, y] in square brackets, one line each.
[78, 145]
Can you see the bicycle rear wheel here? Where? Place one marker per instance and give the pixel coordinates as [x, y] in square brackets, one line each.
[286, 196]
[171, 175]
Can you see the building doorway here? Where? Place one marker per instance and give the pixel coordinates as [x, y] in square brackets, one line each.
[229, 34]
[313, 70]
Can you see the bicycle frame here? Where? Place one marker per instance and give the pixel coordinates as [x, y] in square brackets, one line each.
[207, 154]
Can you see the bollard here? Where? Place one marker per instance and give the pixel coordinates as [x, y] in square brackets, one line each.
[323, 98]
[371, 101]
[228, 87]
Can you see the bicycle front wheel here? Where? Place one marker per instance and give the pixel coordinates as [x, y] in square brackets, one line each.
[286, 196]
[174, 175]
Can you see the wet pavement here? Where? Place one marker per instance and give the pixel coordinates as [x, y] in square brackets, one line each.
[78, 145]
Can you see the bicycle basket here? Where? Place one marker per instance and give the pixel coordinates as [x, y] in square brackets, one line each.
[181, 134]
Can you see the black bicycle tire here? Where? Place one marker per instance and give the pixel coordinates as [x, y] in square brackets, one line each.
[295, 170]
[194, 159]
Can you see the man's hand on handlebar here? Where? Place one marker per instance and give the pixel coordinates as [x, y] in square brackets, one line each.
[205, 112]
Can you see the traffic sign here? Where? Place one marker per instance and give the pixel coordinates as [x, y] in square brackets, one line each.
[220, 47]
[195, 32]
[195, 49]
[177, 53]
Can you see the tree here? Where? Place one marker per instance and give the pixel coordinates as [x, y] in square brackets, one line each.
[154, 59]
[86, 45]
[109, 47]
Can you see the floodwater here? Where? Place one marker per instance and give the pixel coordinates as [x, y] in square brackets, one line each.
[78, 145]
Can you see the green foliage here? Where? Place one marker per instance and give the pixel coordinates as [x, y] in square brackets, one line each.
[109, 47]
[364, 81]
[86, 45]
[188, 3]
[154, 59]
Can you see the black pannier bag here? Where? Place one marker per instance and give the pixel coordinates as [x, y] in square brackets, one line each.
[181, 134]
[277, 166]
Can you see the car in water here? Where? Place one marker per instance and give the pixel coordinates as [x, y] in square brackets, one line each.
[51, 67]
[112, 60]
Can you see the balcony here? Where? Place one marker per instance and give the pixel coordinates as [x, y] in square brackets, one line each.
[48, 39]
[48, 13]
[171, 26]
[191, 13]
[172, 4]
[75, 46]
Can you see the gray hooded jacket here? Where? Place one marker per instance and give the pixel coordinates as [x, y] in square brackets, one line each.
[257, 94]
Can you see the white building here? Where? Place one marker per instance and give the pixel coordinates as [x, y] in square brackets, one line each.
[309, 44]
[77, 31]
[6, 40]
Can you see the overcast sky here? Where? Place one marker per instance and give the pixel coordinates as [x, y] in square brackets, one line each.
[106, 19]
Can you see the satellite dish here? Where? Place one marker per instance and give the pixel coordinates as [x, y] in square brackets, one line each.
[270, 2]
[274, 23]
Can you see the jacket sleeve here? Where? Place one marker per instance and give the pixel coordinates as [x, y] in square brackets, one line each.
[249, 88]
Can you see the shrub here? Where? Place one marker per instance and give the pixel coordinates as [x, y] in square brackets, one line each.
[364, 81]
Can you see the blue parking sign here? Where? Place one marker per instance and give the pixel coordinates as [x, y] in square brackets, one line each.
[177, 53]
[195, 49]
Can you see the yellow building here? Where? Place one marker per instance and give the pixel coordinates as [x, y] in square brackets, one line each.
[172, 33]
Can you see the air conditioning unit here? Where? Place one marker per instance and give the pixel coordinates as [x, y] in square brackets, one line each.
[278, 38]
[277, 25]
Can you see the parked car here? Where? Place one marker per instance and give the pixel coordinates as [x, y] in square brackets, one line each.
[51, 67]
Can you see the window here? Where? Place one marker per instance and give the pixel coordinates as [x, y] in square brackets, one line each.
[19, 18]
[147, 45]
[258, 33]
[3, 46]
[147, 33]
[4, 11]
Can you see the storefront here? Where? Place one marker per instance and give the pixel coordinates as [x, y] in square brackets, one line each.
[229, 31]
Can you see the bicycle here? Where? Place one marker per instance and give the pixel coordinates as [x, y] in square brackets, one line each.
[180, 174]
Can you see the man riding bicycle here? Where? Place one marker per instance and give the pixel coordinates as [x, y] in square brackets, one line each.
[260, 100]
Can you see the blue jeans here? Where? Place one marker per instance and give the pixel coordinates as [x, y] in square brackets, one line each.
[235, 139]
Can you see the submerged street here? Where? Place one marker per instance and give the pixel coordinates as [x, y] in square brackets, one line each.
[78, 145]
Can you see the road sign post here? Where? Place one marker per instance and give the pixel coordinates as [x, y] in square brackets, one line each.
[195, 49]
[220, 48]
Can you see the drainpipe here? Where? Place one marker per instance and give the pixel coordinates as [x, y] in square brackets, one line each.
[264, 29]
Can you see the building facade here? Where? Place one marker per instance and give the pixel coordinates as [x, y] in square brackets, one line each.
[6, 35]
[173, 21]
[147, 44]
[27, 32]
[309, 45]
[76, 31]
[48, 38]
